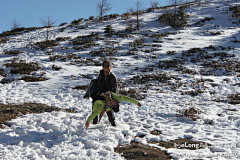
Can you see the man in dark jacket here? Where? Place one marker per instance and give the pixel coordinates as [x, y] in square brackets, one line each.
[108, 82]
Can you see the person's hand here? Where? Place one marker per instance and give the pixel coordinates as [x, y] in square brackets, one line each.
[86, 125]
[139, 104]
[102, 94]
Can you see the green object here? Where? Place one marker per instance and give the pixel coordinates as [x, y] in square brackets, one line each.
[99, 104]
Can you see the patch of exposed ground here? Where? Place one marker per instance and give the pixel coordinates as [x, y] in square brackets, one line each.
[138, 151]
[9, 112]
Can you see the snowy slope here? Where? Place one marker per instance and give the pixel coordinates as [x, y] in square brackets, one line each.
[60, 135]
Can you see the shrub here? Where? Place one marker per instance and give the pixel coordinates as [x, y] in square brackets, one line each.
[4, 40]
[56, 57]
[64, 58]
[12, 32]
[160, 77]
[171, 53]
[81, 40]
[192, 92]
[175, 20]
[225, 66]
[9, 112]
[235, 10]
[111, 16]
[91, 18]
[76, 22]
[22, 67]
[131, 92]
[191, 113]
[2, 73]
[235, 40]
[18, 30]
[150, 9]
[202, 21]
[215, 33]
[43, 45]
[108, 29]
[106, 51]
[129, 29]
[136, 43]
[63, 24]
[161, 35]
[166, 64]
[56, 68]
[12, 52]
[234, 98]
[125, 16]
[6, 80]
[33, 79]
[63, 38]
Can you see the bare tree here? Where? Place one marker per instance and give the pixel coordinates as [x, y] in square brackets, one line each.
[49, 22]
[175, 3]
[16, 24]
[102, 8]
[154, 4]
[138, 10]
[199, 2]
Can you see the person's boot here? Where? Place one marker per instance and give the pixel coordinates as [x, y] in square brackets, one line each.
[111, 118]
[113, 124]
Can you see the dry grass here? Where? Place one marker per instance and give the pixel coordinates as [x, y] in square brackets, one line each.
[234, 98]
[43, 44]
[131, 92]
[9, 112]
[141, 152]
[191, 113]
[33, 79]
[21, 67]
[12, 52]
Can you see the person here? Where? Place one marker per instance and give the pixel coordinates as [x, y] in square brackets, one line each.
[107, 81]
[111, 103]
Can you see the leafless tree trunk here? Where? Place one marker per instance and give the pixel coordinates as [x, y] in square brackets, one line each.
[174, 3]
[199, 2]
[49, 22]
[102, 8]
[16, 24]
[137, 12]
[154, 4]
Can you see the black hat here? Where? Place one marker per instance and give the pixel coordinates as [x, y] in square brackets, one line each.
[108, 62]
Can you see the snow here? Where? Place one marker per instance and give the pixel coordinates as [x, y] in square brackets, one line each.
[60, 135]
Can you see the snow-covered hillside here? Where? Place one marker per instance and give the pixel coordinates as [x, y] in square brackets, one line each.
[172, 70]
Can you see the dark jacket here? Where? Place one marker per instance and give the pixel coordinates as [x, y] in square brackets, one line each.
[108, 83]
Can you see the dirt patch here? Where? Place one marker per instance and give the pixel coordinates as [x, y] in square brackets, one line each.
[33, 79]
[141, 152]
[8, 112]
[156, 132]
